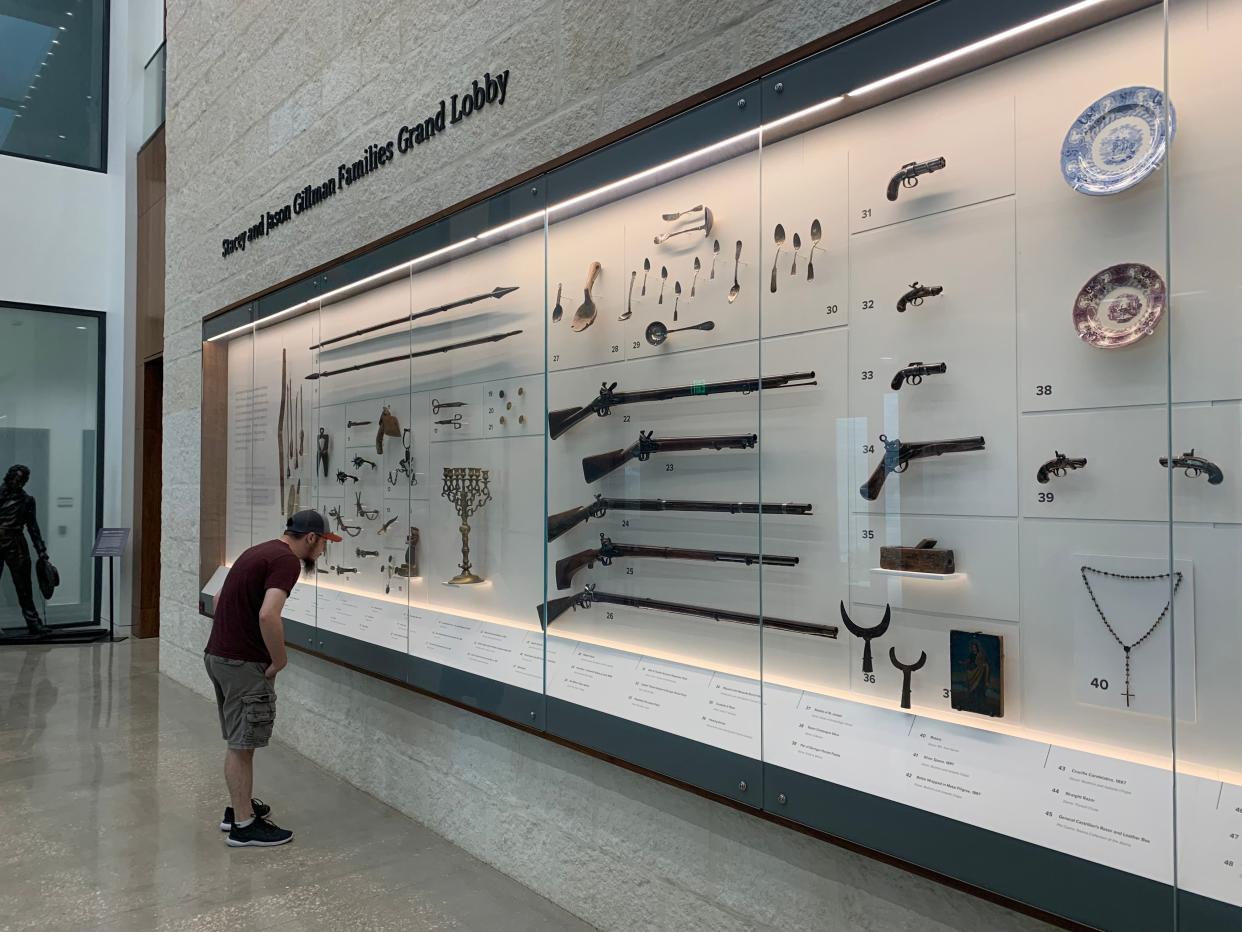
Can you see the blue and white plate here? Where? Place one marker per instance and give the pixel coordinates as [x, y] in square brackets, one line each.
[1117, 141]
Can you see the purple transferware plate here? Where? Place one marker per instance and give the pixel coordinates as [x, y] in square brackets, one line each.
[1119, 305]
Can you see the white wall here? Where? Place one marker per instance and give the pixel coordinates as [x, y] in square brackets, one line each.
[67, 238]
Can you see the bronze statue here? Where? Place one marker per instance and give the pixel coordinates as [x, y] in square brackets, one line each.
[17, 514]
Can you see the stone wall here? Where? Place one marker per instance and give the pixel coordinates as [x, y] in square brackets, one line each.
[264, 97]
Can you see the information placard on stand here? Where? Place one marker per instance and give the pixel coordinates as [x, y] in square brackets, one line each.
[110, 543]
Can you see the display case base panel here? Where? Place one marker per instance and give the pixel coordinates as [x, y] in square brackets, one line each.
[370, 657]
[1078, 889]
[487, 695]
[1197, 913]
[710, 768]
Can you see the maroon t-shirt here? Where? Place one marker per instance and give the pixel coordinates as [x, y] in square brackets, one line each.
[235, 631]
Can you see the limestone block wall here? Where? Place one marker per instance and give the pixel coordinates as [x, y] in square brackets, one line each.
[264, 97]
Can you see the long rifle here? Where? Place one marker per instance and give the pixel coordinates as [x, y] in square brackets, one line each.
[569, 519]
[494, 293]
[596, 467]
[563, 419]
[555, 608]
[607, 551]
[495, 338]
[280, 422]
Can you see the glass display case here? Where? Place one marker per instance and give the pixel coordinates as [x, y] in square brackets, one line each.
[51, 419]
[860, 446]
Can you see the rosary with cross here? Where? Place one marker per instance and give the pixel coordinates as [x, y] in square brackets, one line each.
[1177, 581]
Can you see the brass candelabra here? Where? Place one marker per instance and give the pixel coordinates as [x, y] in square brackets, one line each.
[467, 488]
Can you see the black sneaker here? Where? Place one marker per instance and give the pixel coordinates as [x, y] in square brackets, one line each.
[260, 833]
[261, 809]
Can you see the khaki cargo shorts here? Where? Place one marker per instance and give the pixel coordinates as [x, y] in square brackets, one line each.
[245, 699]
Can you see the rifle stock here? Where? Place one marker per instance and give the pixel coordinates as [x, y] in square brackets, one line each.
[567, 520]
[555, 608]
[563, 419]
[566, 567]
[599, 465]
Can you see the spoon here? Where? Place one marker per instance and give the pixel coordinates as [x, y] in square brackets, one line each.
[737, 255]
[646, 269]
[657, 333]
[663, 279]
[780, 241]
[816, 232]
[697, 265]
[676, 300]
[715, 253]
[585, 315]
[629, 301]
[681, 213]
[797, 241]
[558, 311]
[705, 229]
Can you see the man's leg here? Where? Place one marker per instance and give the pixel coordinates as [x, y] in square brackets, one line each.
[17, 556]
[239, 775]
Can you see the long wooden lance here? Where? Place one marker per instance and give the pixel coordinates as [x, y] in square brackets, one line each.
[447, 348]
[406, 318]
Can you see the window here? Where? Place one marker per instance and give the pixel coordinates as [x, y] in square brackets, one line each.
[53, 62]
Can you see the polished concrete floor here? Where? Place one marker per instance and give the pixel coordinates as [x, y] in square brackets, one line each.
[111, 793]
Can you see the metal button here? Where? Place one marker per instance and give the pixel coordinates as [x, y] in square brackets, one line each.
[782, 798]
[780, 88]
[742, 786]
[741, 104]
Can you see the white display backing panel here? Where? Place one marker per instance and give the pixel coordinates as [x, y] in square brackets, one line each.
[1123, 478]
[970, 252]
[985, 554]
[977, 145]
[620, 237]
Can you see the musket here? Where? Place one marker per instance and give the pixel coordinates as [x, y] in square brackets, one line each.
[1059, 465]
[497, 292]
[914, 297]
[563, 419]
[913, 373]
[898, 456]
[494, 338]
[555, 608]
[1196, 466]
[908, 176]
[569, 519]
[596, 467]
[607, 551]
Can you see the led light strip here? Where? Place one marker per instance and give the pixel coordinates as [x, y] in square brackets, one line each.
[757, 133]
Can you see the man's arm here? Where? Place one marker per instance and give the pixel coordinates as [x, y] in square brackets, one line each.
[32, 528]
[272, 627]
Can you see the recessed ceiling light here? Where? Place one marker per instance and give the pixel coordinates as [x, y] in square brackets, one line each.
[67, 13]
[62, 28]
[81, 327]
[62, 136]
[55, 42]
[23, 107]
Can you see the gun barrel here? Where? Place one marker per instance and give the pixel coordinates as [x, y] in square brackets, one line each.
[717, 614]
